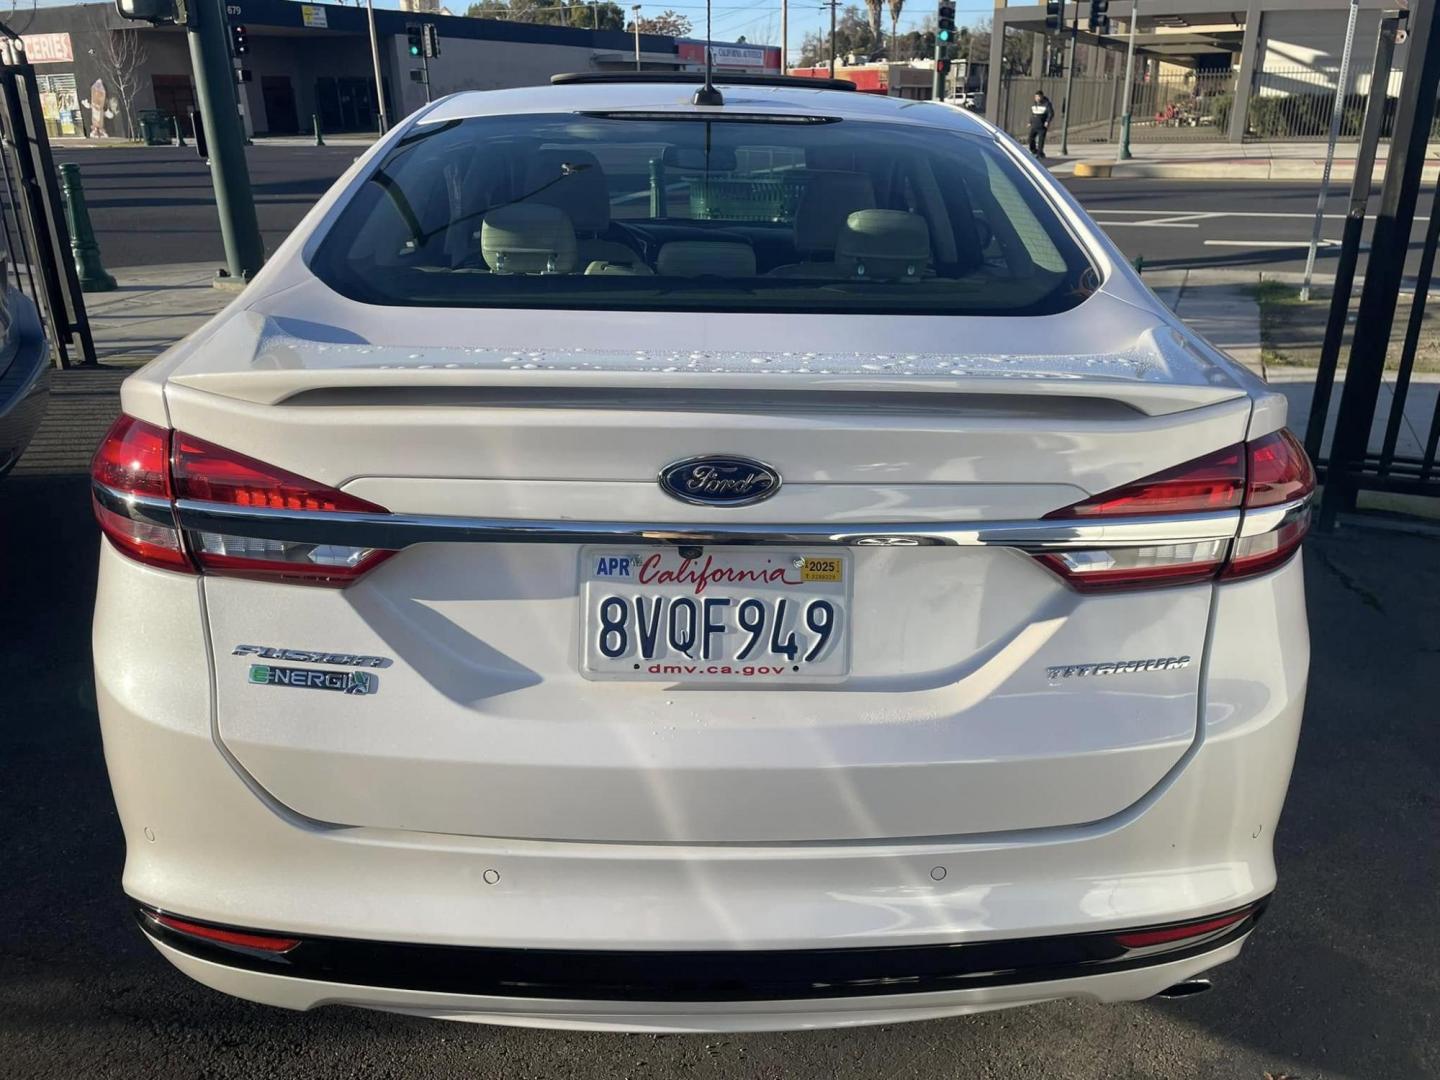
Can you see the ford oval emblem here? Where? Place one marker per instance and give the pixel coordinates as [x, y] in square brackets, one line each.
[719, 480]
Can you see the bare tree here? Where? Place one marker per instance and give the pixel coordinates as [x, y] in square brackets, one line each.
[121, 54]
[895, 8]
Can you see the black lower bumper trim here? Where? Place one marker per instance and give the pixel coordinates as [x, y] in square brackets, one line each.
[712, 976]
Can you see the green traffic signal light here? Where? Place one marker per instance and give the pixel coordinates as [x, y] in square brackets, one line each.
[945, 36]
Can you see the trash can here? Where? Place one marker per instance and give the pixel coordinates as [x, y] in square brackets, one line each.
[155, 127]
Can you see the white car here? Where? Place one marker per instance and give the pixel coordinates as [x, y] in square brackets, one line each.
[634, 564]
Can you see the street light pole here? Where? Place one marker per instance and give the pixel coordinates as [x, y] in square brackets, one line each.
[1123, 154]
[636, 9]
[379, 80]
[1069, 85]
[215, 93]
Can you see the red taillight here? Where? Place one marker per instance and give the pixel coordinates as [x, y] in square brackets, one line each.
[131, 471]
[270, 943]
[1270, 472]
[212, 473]
[1279, 472]
[208, 473]
[141, 470]
[1207, 484]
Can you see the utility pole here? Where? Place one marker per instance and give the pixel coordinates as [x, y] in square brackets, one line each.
[215, 93]
[635, 9]
[1069, 84]
[784, 37]
[1123, 154]
[379, 80]
[833, 5]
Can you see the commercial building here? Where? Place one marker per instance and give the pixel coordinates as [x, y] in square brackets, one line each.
[307, 61]
[1226, 52]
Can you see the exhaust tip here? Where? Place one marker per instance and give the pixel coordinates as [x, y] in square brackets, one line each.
[1188, 988]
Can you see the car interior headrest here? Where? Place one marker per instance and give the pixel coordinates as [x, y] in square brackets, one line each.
[573, 181]
[885, 245]
[528, 239]
[700, 258]
[826, 200]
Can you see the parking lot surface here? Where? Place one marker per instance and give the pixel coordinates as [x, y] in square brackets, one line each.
[1340, 980]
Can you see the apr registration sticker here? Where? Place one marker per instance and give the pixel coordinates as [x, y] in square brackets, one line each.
[345, 682]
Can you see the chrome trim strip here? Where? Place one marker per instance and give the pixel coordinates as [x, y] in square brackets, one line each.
[147, 508]
[395, 531]
[1269, 518]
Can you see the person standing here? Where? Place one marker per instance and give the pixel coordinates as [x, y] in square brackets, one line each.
[1041, 113]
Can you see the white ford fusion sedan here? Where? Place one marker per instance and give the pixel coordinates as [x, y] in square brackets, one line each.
[629, 563]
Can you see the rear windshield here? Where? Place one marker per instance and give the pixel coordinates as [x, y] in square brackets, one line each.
[741, 213]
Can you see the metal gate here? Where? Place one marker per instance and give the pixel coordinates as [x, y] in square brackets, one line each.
[1390, 446]
[32, 216]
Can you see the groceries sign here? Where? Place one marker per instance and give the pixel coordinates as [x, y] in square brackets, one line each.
[48, 48]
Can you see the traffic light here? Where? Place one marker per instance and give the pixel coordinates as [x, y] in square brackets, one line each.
[1054, 14]
[412, 33]
[430, 41]
[945, 25]
[1099, 21]
[239, 40]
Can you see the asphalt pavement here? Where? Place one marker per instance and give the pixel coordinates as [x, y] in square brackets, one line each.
[155, 205]
[1339, 981]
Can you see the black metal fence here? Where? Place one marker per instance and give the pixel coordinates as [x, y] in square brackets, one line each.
[1380, 442]
[1177, 107]
[32, 217]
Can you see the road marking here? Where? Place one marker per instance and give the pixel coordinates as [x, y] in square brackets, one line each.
[1148, 225]
[1269, 243]
[1175, 214]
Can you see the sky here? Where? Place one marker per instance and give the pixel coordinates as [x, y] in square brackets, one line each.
[757, 20]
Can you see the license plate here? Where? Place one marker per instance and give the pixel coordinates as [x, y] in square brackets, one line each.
[740, 615]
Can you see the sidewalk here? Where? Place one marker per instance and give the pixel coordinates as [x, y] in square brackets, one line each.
[1226, 161]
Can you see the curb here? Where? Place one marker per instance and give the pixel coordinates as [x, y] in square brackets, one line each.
[1262, 169]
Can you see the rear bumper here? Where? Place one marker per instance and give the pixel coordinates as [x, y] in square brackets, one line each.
[204, 841]
[733, 991]
[697, 976]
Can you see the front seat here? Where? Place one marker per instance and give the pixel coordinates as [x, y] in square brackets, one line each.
[826, 201]
[573, 181]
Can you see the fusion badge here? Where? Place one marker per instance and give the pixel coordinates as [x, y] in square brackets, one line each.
[345, 682]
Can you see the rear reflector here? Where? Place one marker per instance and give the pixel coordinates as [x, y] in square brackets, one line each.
[241, 939]
[1140, 939]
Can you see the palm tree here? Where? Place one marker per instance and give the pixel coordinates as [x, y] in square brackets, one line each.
[895, 5]
[874, 7]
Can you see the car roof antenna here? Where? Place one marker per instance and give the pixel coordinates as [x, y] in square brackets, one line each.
[707, 94]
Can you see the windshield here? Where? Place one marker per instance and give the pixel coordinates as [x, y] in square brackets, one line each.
[692, 213]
